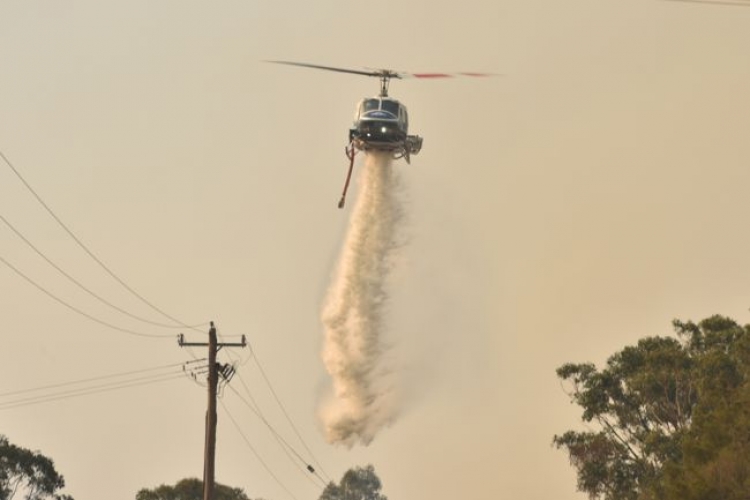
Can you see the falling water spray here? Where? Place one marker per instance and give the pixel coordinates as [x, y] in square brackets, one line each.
[362, 400]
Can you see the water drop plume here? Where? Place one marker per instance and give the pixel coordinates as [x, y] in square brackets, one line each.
[362, 400]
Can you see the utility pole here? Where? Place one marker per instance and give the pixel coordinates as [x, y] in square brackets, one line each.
[209, 457]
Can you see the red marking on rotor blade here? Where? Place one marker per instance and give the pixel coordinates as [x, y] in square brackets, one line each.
[448, 75]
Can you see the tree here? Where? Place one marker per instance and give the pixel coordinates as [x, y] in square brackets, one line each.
[716, 452]
[29, 473]
[190, 489]
[672, 415]
[357, 484]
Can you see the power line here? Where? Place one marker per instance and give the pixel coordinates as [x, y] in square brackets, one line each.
[286, 447]
[78, 283]
[87, 250]
[255, 452]
[286, 414]
[256, 408]
[88, 389]
[738, 3]
[101, 377]
[77, 310]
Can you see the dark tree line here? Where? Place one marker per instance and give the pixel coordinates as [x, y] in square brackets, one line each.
[672, 417]
[359, 483]
[32, 476]
[190, 489]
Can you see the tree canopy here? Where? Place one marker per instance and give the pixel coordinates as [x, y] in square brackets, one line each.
[671, 415]
[28, 473]
[359, 483]
[190, 489]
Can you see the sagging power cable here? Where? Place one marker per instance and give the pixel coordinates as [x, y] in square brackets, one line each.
[327, 478]
[318, 469]
[77, 310]
[78, 283]
[288, 449]
[92, 385]
[85, 248]
[255, 452]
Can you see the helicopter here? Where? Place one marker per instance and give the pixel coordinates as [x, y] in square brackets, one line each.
[381, 123]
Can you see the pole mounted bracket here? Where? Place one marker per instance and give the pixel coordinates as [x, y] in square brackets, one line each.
[181, 342]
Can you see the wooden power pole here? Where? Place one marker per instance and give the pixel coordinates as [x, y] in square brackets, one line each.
[209, 457]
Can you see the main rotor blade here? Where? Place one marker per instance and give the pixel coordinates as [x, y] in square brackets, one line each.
[446, 75]
[340, 70]
[737, 3]
[387, 73]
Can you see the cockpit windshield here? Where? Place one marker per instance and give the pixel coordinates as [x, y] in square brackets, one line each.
[370, 105]
[390, 106]
[379, 105]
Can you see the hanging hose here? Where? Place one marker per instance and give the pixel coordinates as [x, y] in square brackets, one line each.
[350, 152]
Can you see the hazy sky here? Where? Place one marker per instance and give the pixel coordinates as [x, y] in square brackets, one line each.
[581, 201]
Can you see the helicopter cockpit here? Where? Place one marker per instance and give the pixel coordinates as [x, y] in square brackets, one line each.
[380, 108]
[381, 122]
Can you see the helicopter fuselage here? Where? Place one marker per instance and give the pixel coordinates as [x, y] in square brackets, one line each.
[382, 124]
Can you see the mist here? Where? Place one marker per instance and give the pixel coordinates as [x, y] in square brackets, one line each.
[362, 398]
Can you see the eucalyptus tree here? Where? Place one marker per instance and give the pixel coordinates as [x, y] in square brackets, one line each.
[668, 418]
[190, 489]
[28, 474]
[359, 483]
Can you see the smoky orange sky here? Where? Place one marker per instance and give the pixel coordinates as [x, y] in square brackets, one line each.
[582, 200]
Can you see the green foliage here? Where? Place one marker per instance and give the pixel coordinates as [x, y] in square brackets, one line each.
[190, 489]
[716, 451]
[357, 484]
[29, 473]
[673, 417]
